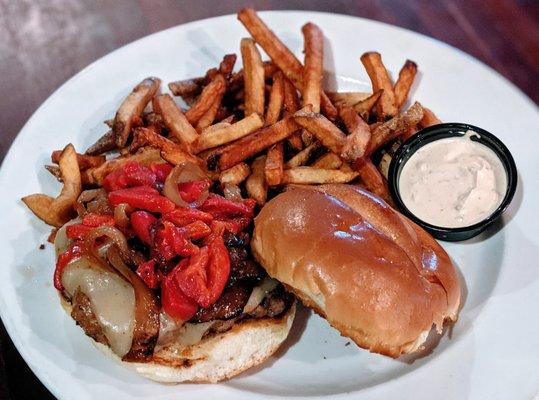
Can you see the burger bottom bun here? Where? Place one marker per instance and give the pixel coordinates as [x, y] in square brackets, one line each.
[216, 357]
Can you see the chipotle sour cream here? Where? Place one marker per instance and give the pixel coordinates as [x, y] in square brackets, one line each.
[453, 182]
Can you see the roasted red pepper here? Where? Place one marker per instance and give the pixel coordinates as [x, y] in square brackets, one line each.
[222, 208]
[197, 230]
[174, 301]
[142, 197]
[74, 251]
[89, 222]
[206, 275]
[171, 241]
[149, 274]
[191, 191]
[161, 171]
[141, 222]
[128, 175]
[182, 216]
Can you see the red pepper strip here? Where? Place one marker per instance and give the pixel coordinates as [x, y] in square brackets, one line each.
[222, 208]
[191, 191]
[141, 222]
[74, 251]
[130, 174]
[170, 241]
[174, 301]
[182, 216]
[89, 222]
[236, 225]
[142, 197]
[197, 230]
[149, 275]
[207, 273]
[161, 171]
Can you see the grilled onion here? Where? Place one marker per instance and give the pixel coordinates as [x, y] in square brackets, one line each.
[186, 172]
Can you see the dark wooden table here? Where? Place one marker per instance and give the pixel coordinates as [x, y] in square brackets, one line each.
[43, 43]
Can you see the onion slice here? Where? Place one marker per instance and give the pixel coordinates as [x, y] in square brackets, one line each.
[146, 329]
[232, 192]
[120, 215]
[186, 172]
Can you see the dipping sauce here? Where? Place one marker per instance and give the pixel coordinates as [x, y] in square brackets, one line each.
[453, 182]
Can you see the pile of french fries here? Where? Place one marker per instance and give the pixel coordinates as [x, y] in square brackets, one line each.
[268, 125]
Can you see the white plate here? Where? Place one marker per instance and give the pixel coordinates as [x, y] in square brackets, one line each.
[492, 352]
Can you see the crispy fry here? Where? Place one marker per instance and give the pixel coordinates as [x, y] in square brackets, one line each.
[256, 183]
[215, 127]
[383, 165]
[372, 180]
[290, 106]
[210, 115]
[429, 118]
[206, 99]
[232, 192]
[386, 106]
[132, 107]
[227, 65]
[276, 99]
[274, 165]
[280, 55]
[253, 77]
[229, 133]
[85, 161]
[325, 131]
[144, 155]
[395, 127]
[364, 107]
[186, 87]
[359, 136]
[411, 131]
[404, 82]
[174, 119]
[328, 161]
[347, 98]
[313, 66]
[57, 211]
[235, 175]
[256, 142]
[172, 152]
[104, 144]
[303, 156]
[236, 80]
[315, 176]
[55, 171]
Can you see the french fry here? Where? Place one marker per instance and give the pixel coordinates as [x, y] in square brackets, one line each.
[253, 76]
[217, 126]
[206, 99]
[210, 115]
[372, 180]
[174, 119]
[364, 107]
[325, 131]
[170, 151]
[256, 142]
[386, 106]
[395, 127]
[383, 165]
[144, 155]
[229, 133]
[235, 175]
[186, 87]
[276, 99]
[429, 118]
[132, 107]
[236, 80]
[328, 161]
[316, 176]
[280, 55]
[411, 131]
[256, 183]
[57, 211]
[232, 192]
[303, 156]
[359, 136]
[84, 161]
[290, 106]
[55, 171]
[313, 66]
[404, 82]
[274, 165]
[227, 65]
[347, 98]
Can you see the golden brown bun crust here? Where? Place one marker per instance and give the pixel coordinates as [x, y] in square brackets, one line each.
[375, 276]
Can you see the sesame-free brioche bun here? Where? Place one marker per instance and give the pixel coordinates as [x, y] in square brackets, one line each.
[217, 356]
[376, 277]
